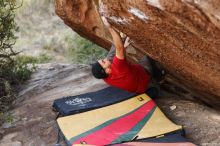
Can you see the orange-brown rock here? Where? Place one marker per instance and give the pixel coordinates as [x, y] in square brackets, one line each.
[182, 35]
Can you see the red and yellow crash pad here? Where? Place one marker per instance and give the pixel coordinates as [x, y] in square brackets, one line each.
[138, 117]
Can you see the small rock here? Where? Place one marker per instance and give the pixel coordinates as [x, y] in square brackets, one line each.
[2, 131]
[51, 68]
[173, 107]
[24, 119]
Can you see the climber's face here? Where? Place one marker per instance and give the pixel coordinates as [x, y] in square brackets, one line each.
[106, 64]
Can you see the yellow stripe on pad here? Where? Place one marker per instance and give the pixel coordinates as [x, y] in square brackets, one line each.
[158, 124]
[76, 124]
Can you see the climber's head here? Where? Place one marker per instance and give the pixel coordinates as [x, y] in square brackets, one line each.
[101, 69]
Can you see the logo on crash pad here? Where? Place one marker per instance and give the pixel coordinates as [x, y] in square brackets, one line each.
[78, 101]
[140, 98]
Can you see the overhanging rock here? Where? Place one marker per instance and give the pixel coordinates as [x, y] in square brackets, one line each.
[183, 36]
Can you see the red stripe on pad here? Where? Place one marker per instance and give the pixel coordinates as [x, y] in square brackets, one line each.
[119, 127]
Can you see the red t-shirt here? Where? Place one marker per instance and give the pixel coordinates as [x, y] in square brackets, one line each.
[130, 77]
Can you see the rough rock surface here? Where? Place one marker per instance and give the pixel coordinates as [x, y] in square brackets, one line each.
[34, 123]
[182, 35]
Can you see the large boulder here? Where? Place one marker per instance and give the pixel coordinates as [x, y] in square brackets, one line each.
[182, 35]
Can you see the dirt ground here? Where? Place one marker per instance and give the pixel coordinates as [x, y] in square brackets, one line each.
[34, 123]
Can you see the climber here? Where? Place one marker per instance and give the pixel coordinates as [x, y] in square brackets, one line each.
[117, 71]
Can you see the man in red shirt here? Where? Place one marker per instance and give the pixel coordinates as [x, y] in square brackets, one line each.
[119, 72]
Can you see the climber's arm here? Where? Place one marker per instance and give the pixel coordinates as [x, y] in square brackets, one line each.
[116, 40]
[119, 47]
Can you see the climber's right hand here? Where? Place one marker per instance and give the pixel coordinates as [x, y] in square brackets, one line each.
[105, 21]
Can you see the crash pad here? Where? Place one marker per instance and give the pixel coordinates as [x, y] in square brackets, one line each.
[135, 118]
[92, 100]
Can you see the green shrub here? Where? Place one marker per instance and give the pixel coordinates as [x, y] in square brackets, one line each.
[8, 118]
[13, 73]
[24, 59]
[7, 29]
[13, 70]
[43, 58]
[23, 68]
[84, 51]
[7, 40]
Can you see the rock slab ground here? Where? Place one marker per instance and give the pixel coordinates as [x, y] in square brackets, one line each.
[34, 121]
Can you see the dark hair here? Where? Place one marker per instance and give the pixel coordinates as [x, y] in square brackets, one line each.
[98, 71]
